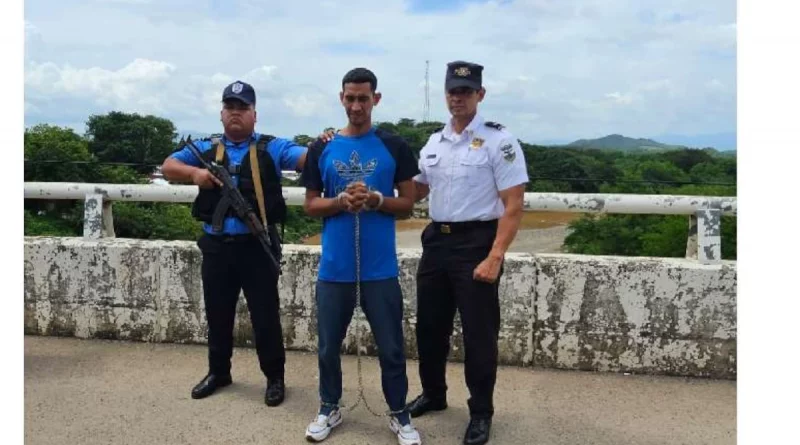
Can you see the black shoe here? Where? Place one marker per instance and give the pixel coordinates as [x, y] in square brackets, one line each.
[478, 431]
[276, 391]
[423, 404]
[209, 384]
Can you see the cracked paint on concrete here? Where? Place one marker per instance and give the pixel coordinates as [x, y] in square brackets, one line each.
[666, 316]
[644, 315]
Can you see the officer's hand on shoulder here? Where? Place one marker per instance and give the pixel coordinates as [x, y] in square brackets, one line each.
[326, 136]
[204, 179]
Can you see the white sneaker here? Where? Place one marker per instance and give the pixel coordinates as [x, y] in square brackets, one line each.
[319, 429]
[406, 435]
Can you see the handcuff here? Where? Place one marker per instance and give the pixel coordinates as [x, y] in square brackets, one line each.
[380, 201]
[341, 197]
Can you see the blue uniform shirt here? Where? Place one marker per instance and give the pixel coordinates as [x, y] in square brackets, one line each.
[380, 160]
[284, 153]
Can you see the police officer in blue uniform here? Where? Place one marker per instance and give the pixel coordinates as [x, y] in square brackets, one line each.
[474, 173]
[233, 259]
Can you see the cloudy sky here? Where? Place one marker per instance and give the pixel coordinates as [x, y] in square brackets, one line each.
[555, 70]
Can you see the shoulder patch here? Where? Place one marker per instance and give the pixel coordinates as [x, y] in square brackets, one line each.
[508, 152]
[494, 125]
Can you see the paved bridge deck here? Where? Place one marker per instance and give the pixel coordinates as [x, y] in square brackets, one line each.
[102, 392]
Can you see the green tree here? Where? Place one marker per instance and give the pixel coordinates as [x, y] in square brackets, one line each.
[303, 139]
[55, 154]
[49, 224]
[155, 220]
[131, 138]
[640, 235]
[687, 158]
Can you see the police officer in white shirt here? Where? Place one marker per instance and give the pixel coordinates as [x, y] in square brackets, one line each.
[474, 173]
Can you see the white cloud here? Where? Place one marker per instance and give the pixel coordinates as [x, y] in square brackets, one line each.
[553, 69]
[129, 87]
[304, 105]
[618, 98]
[30, 108]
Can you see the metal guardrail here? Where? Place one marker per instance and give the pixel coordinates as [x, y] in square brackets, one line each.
[703, 244]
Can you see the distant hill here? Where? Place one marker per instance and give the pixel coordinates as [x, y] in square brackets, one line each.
[623, 143]
[720, 141]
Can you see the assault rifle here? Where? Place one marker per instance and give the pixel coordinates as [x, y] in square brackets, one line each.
[231, 196]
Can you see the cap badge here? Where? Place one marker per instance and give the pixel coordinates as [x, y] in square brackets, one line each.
[237, 88]
[462, 71]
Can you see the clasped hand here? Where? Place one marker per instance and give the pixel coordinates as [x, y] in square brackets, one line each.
[354, 197]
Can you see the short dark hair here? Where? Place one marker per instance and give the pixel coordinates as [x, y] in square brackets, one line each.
[361, 75]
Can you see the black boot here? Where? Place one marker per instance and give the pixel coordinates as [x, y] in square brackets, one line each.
[423, 404]
[209, 384]
[478, 431]
[276, 391]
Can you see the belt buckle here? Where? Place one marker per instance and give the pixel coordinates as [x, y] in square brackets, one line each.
[445, 228]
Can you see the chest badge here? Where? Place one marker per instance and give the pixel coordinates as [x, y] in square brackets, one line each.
[476, 143]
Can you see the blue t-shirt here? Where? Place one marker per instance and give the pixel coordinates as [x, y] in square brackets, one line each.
[379, 159]
[284, 153]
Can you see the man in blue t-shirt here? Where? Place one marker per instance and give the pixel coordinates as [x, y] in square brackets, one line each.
[233, 259]
[357, 173]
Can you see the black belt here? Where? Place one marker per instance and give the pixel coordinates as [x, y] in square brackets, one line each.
[463, 226]
[233, 239]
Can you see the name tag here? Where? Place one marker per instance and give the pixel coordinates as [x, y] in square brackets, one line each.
[433, 156]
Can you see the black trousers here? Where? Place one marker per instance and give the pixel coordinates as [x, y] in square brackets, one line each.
[230, 265]
[450, 254]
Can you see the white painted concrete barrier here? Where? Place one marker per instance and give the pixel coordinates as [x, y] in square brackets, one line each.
[642, 315]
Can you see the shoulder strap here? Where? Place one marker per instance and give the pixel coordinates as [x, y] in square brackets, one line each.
[256, 172]
[220, 151]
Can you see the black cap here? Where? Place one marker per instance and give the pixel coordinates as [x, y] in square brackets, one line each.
[241, 91]
[463, 74]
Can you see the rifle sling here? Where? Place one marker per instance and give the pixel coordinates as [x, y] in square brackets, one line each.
[256, 172]
[220, 152]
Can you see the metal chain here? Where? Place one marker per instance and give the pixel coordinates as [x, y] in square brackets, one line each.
[361, 397]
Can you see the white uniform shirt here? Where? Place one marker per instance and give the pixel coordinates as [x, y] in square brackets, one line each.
[465, 171]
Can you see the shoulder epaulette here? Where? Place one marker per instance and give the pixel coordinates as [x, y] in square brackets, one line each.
[438, 129]
[494, 125]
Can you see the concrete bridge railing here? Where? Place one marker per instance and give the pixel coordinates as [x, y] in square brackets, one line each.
[641, 315]
[629, 314]
[703, 244]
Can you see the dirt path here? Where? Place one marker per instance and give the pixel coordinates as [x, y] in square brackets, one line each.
[540, 232]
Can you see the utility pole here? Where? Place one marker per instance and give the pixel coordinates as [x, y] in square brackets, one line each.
[426, 113]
